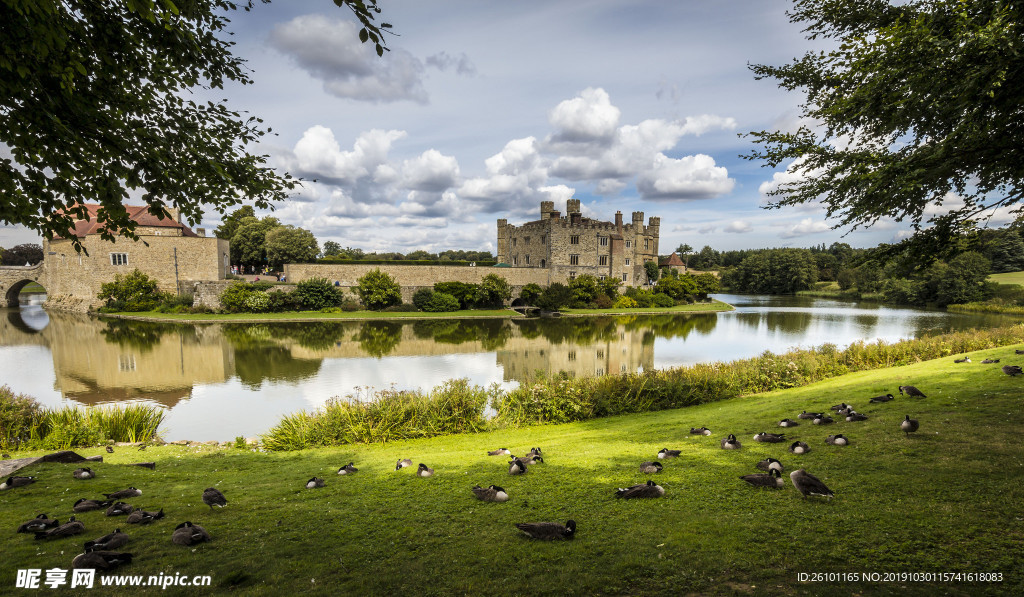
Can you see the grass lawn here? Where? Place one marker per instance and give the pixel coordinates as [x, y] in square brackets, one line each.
[1008, 278]
[946, 499]
[313, 315]
[714, 306]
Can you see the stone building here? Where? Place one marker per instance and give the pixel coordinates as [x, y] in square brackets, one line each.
[571, 245]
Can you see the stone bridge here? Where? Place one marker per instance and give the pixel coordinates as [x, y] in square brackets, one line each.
[14, 277]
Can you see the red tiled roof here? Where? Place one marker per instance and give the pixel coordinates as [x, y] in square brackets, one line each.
[671, 260]
[138, 213]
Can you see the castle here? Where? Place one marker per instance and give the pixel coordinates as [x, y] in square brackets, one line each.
[572, 245]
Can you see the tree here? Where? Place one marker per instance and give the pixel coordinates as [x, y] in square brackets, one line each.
[24, 254]
[584, 290]
[331, 249]
[288, 244]
[134, 291]
[775, 271]
[1007, 253]
[963, 281]
[684, 251]
[530, 293]
[378, 290]
[248, 245]
[493, 291]
[651, 268]
[916, 100]
[95, 100]
[554, 297]
[229, 225]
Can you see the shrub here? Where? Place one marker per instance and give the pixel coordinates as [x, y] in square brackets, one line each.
[554, 297]
[644, 298]
[257, 302]
[603, 301]
[421, 297]
[278, 302]
[651, 269]
[493, 291]
[378, 290]
[316, 294]
[662, 300]
[233, 298]
[441, 302]
[403, 308]
[349, 305]
[465, 293]
[18, 417]
[530, 293]
[584, 289]
[134, 291]
[625, 302]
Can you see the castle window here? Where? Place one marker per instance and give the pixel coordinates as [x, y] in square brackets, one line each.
[647, 244]
[574, 239]
[126, 362]
[599, 371]
[574, 259]
[622, 367]
[543, 239]
[624, 278]
[629, 244]
[527, 260]
[603, 241]
[515, 260]
[119, 259]
[514, 241]
[602, 260]
[627, 260]
[526, 240]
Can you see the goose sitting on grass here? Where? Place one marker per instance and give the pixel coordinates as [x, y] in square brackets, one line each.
[799, 447]
[788, 423]
[108, 541]
[120, 509]
[532, 458]
[16, 481]
[38, 524]
[770, 438]
[315, 483]
[403, 463]
[83, 473]
[516, 467]
[963, 360]
[650, 468]
[143, 517]
[884, 398]
[823, 420]
[548, 531]
[840, 407]
[770, 480]
[770, 464]
[809, 485]
[855, 416]
[492, 493]
[69, 528]
[347, 469]
[700, 431]
[837, 440]
[101, 560]
[213, 497]
[84, 505]
[990, 361]
[731, 443]
[500, 452]
[807, 415]
[666, 453]
[1012, 370]
[124, 493]
[424, 471]
[645, 490]
[188, 533]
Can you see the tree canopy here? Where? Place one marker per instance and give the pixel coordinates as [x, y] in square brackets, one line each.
[95, 101]
[916, 101]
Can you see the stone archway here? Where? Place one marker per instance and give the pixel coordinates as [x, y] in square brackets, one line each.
[12, 293]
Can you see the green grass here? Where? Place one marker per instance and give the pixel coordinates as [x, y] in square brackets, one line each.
[33, 287]
[946, 499]
[1008, 278]
[313, 315]
[715, 305]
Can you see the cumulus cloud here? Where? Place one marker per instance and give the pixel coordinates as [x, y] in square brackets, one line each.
[430, 171]
[318, 154]
[587, 117]
[460, 64]
[330, 50]
[739, 227]
[804, 227]
[706, 229]
[691, 177]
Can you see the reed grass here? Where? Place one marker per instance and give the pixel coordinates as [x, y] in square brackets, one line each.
[990, 306]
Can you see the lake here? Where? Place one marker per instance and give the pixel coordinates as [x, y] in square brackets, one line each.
[220, 381]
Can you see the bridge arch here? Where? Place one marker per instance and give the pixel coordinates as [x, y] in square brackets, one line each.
[14, 278]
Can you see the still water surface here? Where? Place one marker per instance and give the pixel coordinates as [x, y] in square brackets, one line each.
[220, 381]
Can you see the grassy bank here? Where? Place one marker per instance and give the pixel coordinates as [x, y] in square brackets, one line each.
[1008, 278]
[311, 316]
[712, 307]
[943, 500]
[845, 295]
[990, 306]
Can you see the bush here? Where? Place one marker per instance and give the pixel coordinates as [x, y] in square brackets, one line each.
[316, 294]
[530, 293]
[403, 308]
[378, 290]
[278, 302]
[465, 293]
[603, 301]
[134, 291]
[422, 297]
[18, 417]
[233, 298]
[584, 289]
[493, 291]
[257, 302]
[554, 297]
[662, 300]
[440, 302]
[644, 298]
[625, 302]
[349, 305]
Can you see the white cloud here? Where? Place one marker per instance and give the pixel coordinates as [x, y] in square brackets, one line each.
[739, 227]
[804, 227]
[691, 177]
[330, 50]
[706, 229]
[698, 125]
[461, 64]
[430, 171]
[588, 117]
[318, 154]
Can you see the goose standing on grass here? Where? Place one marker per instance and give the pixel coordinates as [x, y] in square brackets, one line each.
[16, 481]
[770, 480]
[124, 493]
[856, 416]
[731, 443]
[315, 482]
[84, 505]
[109, 541]
[963, 360]
[534, 452]
[37, 524]
[650, 468]
[909, 425]
[83, 473]
[548, 531]
[645, 490]
[143, 517]
[492, 493]
[990, 361]
[424, 471]
[516, 467]
[188, 533]
[837, 440]
[213, 497]
[69, 528]
[666, 453]
[101, 560]
[885, 398]
[1012, 370]
[347, 469]
[700, 431]
[500, 452]
[799, 447]
[823, 420]
[403, 463]
[788, 423]
[120, 509]
[807, 484]
[911, 391]
[770, 438]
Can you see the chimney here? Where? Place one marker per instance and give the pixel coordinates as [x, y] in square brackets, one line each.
[200, 231]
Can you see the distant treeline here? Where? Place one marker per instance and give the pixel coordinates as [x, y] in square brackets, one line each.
[334, 253]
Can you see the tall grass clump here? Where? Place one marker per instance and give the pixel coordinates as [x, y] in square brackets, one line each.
[18, 417]
[995, 305]
[380, 416]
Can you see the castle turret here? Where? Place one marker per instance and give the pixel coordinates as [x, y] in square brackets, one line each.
[654, 231]
[638, 221]
[572, 206]
[503, 240]
[618, 222]
[546, 207]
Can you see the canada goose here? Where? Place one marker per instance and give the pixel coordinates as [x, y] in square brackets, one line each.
[731, 443]
[20, 482]
[646, 490]
[855, 416]
[807, 484]
[839, 407]
[1012, 370]
[1018, 351]
[84, 505]
[109, 541]
[909, 425]
[348, 468]
[532, 459]
[213, 497]
[823, 420]
[807, 415]
[534, 452]
[110, 449]
[770, 438]
[403, 463]
[124, 493]
[700, 431]
[143, 517]
[187, 533]
[989, 361]
[650, 468]
[516, 467]
[770, 464]
[120, 509]
[788, 423]
[911, 391]
[5, 456]
[770, 480]
[799, 447]
[491, 493]
[846, 411]
[666, 453]
[963, 360]
[39, 523]
[499, 452]
[314, 483]
[142, 447]
[101, 560]
[83, 473]
[424, 471]
[548, 531]
[71, 527]
[884, 398]
[837, 440]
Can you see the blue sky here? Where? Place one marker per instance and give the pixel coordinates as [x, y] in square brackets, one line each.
[482, 109]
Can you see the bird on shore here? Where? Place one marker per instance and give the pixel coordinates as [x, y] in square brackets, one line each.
[534, 452]
[532, 459]
[807, 484]
[807, 415]
[424, 471]
[666, 453]
[143, 517]
[188, 533]
[1018, 351]
[500, 452]
[101, 560]
[912, 391]
[108, 541]
[837, 440]
[650, 468]
[788, 423]
[990, 361]
[548, 531]
[5, 456]
[124, 493]
[69, 528]
[700, 431]
[730, 443]
[314, 483]
[855, 416]
[1012, 370]
[516, 467]
[37, 524]
[347, 469]
[770, 464]
[492, 493]
[885, 398]
[823, 420]
[85, 505]
[17, 481]
[799, 447]
[963, 360]
[213, 497]
[840, 407]
[83, 473]
[770, 480]
[110, 449]
[120, 509]
[909, 425]
[403, 463]
[644, 490]
[770, 438]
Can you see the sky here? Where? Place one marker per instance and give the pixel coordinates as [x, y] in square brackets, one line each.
[482, 109]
